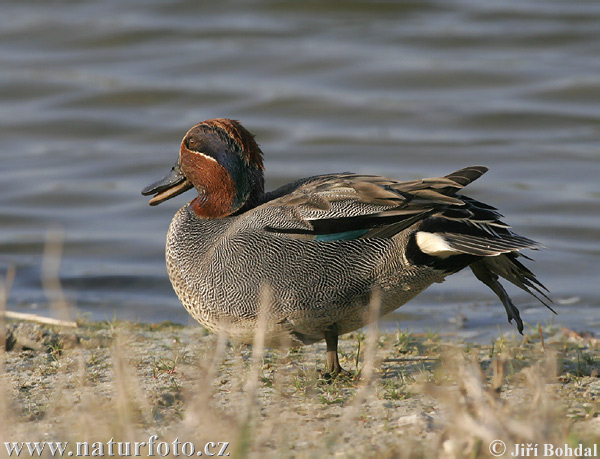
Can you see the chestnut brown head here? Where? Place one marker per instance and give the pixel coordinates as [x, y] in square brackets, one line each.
[221, 159]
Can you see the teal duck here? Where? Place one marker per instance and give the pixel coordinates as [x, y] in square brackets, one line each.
[321, 246]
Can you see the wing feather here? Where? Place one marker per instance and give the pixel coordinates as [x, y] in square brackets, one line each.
[347, 203]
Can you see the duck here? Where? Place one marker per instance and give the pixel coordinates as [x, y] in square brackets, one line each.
[305, 260]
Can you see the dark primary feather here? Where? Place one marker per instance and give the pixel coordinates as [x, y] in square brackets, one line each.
[467, 175]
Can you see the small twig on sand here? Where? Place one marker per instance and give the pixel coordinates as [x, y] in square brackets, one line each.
[411, 359]
[38, 319]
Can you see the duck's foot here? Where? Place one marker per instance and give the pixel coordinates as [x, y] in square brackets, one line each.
[332, 375]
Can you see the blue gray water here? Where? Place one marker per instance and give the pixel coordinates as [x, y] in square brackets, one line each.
[95, 97]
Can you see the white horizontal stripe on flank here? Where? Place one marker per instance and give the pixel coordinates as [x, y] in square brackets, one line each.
[434, 244]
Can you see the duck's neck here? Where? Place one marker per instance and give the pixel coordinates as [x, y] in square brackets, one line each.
[256, 194]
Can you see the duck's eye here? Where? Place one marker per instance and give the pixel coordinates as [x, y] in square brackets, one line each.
[191, 142]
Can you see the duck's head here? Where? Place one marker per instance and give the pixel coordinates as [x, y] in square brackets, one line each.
[221, 159]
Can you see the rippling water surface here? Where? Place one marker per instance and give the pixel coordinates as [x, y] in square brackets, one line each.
[95, 97]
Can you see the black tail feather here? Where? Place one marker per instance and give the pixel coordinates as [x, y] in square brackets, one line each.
[488, 269]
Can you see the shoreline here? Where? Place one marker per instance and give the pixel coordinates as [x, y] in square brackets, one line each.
[410, 395]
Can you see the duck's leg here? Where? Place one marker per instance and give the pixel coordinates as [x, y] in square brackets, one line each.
[333, 362]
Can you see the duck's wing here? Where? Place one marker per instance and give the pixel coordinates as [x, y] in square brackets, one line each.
[349, 206]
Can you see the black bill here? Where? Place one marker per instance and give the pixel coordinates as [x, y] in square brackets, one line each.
[173, 184]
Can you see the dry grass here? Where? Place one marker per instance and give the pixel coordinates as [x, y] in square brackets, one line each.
[411, 395]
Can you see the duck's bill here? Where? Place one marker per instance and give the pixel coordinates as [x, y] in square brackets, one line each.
[173, 184]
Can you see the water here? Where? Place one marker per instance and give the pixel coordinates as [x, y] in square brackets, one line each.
[95, 97]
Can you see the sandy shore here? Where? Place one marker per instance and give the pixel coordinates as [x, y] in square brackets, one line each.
[409, 396]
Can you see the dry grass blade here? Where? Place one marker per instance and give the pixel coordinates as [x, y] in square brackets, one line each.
[479, 414]
[5, 412]
[50, 274]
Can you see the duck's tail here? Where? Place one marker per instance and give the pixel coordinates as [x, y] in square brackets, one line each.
[506, 265]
